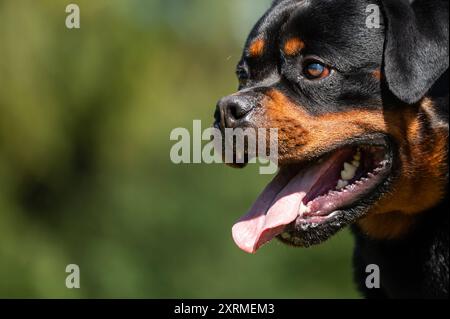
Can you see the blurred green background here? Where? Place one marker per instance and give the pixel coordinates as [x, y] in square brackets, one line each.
[85, 174]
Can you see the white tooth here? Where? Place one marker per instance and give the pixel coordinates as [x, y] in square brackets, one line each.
[341, 184]
[355, 163]
[302, 209]
[349, 171]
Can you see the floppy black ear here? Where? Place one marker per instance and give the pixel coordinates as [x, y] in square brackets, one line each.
[416, 46]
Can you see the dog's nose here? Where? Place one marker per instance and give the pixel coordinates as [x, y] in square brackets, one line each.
[231, 110]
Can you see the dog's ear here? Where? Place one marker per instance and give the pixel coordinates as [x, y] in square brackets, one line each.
[416, 46]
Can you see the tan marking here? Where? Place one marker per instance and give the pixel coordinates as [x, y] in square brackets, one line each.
[293, 46]
[428, 107]
[386, 226]
[377, 74]
[256, 49]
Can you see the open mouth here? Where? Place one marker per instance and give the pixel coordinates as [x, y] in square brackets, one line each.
[305, 197]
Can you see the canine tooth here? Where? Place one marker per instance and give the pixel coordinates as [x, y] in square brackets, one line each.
[357, 156]
[304, 209]
[349, 171]
[341, 184]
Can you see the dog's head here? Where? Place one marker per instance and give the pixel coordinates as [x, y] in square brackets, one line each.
[359, 139]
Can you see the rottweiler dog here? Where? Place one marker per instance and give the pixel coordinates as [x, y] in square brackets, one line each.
[362, 118]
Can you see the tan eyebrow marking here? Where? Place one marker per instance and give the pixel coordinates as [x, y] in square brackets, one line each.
[256, 49]
[377, 74]
[293, 46]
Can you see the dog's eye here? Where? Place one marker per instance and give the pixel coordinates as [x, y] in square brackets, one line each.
[242, 75]
[315, 70]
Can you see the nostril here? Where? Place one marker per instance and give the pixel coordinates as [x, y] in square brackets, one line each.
[238, 109]
[230, 110]
[234, 111]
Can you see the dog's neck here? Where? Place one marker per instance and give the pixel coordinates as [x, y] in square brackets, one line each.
[423, 192]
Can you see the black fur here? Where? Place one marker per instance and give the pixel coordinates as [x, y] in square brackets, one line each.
[416, 266]
[416, 49]
[415, 65]
[411, 49]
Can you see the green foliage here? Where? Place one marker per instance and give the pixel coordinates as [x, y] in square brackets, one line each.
[85, 175]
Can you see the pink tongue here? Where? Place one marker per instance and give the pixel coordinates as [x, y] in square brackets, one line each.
[279, 205]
